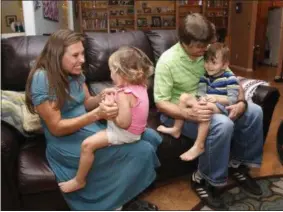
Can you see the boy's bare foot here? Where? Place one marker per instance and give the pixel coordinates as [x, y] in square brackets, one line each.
[176, 133]
[71, 185]
[192, 153]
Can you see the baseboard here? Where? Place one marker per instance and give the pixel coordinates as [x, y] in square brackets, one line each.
[240, 68]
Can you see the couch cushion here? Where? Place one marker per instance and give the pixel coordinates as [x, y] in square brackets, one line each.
[161, 40]
[35, 174]
[99, 47]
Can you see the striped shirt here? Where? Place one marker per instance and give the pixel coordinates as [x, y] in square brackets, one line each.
[225, 85]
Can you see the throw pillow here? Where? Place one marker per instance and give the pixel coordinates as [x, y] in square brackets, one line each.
[15, 113]
[250, 86]
[31, 122]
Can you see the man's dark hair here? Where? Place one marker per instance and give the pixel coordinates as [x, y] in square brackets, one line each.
[196, 28]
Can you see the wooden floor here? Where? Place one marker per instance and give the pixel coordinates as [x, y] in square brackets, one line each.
[177, 194]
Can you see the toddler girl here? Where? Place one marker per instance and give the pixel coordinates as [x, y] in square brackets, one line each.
[130, 68]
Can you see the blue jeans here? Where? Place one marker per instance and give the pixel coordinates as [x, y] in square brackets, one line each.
[241, 141]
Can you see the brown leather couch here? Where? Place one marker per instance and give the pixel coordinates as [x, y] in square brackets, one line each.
[27, 181]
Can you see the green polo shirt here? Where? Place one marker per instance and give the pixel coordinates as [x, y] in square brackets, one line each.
[176, 73]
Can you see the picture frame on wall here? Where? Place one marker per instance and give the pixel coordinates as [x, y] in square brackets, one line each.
[10, 19]
[50, 10]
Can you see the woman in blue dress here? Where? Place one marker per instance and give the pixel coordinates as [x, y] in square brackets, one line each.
[56, 90]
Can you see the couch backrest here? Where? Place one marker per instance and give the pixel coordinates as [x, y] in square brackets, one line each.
[18, 52]
[161, 40]
[99, 47]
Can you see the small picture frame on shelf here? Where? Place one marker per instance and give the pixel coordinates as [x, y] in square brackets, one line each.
[113, 12]
[130, 11]
[158, 9]
[156, 21]
[144, 5]
[165, 23]
[113, 2]
[142, 22]
[147, 10]
[121, 12]
[129, 22]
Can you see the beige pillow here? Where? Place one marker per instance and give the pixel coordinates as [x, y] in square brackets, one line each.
[15, 113]
[31, 122]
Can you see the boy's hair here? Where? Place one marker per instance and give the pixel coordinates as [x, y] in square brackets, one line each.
[214, 48]
[132, 64]
[196, 28]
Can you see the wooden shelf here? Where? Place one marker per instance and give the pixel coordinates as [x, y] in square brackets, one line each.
[95, 30]
[167, 9]
[120, 6]
[156, 14]
[216, 8]
[96, 9]
[121, 16]
[98, 18]
[155, 28]
[123, 27]
[190, 6]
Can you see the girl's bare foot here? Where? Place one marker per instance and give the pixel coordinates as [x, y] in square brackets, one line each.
[71, 185]
[192, 153]
[176, 133]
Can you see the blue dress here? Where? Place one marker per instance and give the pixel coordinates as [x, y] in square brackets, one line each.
[118, 174]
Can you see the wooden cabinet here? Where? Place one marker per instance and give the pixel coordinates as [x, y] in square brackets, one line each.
[124, 15]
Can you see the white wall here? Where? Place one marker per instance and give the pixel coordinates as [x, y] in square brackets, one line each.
[44, 25]
[34, 19]
[10, 8]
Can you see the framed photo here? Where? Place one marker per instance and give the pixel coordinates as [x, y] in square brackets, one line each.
[147, 10]
[50, 10]
[142, 22]
[10, 19]
[129, 22]
[156, 21]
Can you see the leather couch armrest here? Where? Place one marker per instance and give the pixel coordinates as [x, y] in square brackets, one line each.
[267, 97]
[10, 145]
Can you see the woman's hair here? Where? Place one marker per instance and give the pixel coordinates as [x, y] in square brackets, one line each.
[215, 48]
[195, 28]
[50, 60]
[131, 64]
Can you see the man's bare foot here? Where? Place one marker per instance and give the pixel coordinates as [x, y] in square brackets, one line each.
[192, 153]
[71, 185]
[176, 133]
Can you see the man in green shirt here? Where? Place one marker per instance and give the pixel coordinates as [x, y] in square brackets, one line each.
[178, 71]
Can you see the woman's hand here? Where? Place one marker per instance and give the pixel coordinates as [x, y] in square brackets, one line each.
[107, 91]
[236, 110]
[108, 108]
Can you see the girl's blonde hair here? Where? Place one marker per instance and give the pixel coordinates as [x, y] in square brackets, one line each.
[131, 64]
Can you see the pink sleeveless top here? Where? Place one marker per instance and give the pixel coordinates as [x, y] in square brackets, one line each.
[140, 110]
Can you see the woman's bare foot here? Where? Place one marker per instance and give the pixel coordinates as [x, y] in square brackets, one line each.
[176, 133]
[192, 153]
[71, 185]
